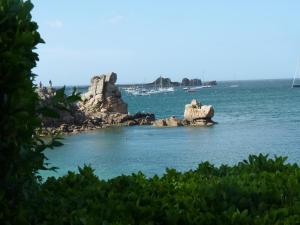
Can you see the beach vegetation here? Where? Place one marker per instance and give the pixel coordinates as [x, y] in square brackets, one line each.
[260, 190]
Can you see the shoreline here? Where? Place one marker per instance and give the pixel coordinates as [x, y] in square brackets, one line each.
[102, 106]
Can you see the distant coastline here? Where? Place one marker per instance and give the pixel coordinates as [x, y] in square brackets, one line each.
[218, 81]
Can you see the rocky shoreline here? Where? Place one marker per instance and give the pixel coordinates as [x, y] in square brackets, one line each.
[102, 106]
[90, 124]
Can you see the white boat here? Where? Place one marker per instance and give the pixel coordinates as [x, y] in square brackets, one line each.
[143, 94]
[166, 90]
[192, 90]
[197, 87]
[296, 76]
[135, 92]
[154, 91]
[130, 90]
[206, 86]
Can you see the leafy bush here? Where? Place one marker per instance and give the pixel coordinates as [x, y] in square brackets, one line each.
[256, 191]
[21, 150]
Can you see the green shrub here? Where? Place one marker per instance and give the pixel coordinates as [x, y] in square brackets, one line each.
[257, 191]
[18, 38]
[21, 149]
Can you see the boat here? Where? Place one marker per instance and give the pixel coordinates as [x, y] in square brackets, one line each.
[164, 89]
[294, 85]
[135, 92]
[154, 91]
[197, 87]
[130, 90]
[143, 94]
[206, 86]
[192, 90]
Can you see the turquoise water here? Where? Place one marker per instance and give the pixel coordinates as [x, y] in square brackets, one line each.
[254, 117]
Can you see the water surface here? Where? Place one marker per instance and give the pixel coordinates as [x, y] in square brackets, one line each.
[253, 117]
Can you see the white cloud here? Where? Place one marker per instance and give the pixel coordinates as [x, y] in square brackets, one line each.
[55, 24]
[115, 19]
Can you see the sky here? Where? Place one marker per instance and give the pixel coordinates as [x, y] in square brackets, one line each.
[141, 40]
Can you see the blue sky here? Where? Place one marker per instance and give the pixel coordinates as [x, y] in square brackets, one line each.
[140, 40]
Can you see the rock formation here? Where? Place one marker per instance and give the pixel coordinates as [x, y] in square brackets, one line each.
[196, 111]
[101, 106]
[45, 93]
[185, 82]
[69, 118]
[169, 122]
[103, 96]
[192, 82]
[130, 120]
[195, 114]
[160, 82]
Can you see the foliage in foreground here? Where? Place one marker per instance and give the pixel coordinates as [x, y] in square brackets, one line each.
[21, 149]
[257, 191]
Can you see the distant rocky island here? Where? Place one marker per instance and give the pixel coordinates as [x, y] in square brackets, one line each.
[102, 106]
[167, 82]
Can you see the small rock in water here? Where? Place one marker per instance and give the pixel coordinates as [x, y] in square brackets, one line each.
[195, 114]
[196, 111]
[160, 123]
[169, 122]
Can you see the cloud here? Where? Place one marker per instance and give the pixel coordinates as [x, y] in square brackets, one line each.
[55, 24]
[116, 19]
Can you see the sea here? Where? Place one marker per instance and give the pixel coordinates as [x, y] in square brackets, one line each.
[259, 116]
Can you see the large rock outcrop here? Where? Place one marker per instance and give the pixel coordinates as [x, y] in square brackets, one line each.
[101, 106]
[103, 96]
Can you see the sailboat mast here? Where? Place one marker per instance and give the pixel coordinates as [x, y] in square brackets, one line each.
[296, 73]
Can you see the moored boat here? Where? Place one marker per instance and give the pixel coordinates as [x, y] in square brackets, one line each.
[296, 77]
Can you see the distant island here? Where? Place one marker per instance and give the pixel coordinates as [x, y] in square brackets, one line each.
[167, 82]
